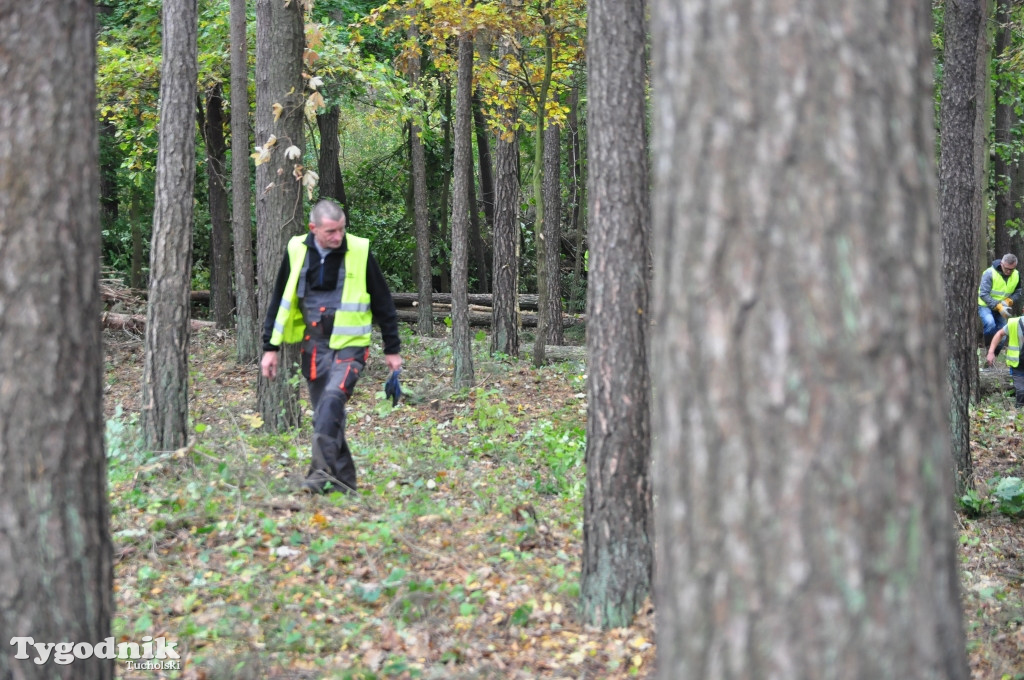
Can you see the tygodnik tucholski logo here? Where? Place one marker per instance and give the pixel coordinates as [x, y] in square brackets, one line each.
[156, 654]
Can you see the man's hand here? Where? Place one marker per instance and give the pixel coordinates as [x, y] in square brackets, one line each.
[991, 358]
[1004, 311]
[394, 361]
[268, 365]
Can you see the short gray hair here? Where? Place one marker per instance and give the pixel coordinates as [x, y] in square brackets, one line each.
[1010, 260]
[326, 209]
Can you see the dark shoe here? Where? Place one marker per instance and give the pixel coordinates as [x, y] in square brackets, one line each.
[319, 482]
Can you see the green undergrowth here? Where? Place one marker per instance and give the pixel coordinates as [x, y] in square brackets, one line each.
[458, 556]
[991, 542]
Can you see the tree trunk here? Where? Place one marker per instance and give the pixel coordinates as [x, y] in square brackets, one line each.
[246, 317]
[538, 196]
[220, 227]
[505, 335]
[462, 351]
[279, 212]
[1005, 122]
[476, 242]
[553, 233]
[110, 163]
[617, 514]
[165, 372]
[56, 572]
[443, 281]
[960, 193]
[483, 151]
[137, 279]
[576, 200]
[331, 183]
[801, 433]
[421, 215]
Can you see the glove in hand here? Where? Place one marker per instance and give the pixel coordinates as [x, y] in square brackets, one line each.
[393, 389]
[1004, 310]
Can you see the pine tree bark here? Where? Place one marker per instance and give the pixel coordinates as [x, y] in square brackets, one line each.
[960, 198]
[617, 515]
[505, 331]
[421, 215]
[136, 215]
[476, 241]
[221, 261]
[332, 184]
[483, 152]
[247, 343]
[442, 281]
[1005, 121]
[801, 432]
[56, 571]
[164, 417]
[462, 352]
[576, 188]
[553, 233]
[279, 210]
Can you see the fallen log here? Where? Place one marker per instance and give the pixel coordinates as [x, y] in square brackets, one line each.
[476, 318]
[136, 323]
[526, 301]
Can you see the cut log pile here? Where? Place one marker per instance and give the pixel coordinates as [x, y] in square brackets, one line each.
[480, 309]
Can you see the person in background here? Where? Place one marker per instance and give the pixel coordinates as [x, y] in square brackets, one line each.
[1014, 332]
[328, 291]
[998, 293]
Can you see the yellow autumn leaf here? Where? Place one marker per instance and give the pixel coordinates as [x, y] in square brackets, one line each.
[253, 420]
[637, 660]
[278, 109]
[318, 519]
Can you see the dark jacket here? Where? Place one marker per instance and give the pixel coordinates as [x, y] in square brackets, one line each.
[325, 277]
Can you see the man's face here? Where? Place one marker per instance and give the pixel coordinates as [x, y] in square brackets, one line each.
[329, 234]
[1007, 268]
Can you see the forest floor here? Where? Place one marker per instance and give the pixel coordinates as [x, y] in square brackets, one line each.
[459, 557]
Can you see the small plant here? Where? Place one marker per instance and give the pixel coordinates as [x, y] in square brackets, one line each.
[976, 505]
[1009, 492]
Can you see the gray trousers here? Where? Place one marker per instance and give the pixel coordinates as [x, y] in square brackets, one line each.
[331, 376]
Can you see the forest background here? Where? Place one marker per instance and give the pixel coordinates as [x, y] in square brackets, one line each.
[456, 135]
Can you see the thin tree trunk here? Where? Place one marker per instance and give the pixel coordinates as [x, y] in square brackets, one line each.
[331, 184]
[462, 351]
[617, 514]
[137, 278]
[1005, 121]
[959, 195]
[483, 151]
[164, 415]
[443, 279]
[247, 332]
[507, 236]
[421, 215]
[801, 434]
[577, 186]
[110, 163]
[476, 242]
[56, 571]
[553, 233]
[220, 226]
[538, 196]
[279, 209]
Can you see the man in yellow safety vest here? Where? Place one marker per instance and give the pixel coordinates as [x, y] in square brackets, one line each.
[1014, 332]
[998, 293]
[328, 291]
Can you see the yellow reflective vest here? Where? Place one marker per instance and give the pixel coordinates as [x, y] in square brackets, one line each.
[1001, 287]
[1013, 335]
[353, 320]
